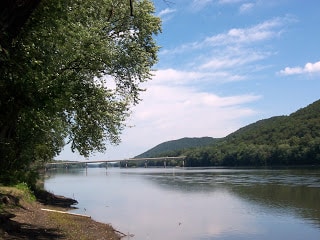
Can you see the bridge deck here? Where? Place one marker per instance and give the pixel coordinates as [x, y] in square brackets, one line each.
[117, 160]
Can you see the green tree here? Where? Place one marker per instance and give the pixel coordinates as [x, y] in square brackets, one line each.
[72, 72]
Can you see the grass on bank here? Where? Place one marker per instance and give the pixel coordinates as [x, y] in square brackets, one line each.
[14, 195]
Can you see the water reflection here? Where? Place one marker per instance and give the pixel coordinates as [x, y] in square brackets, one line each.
[295, 191]
[198, 203]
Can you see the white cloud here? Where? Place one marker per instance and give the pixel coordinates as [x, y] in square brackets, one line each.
[171, 112]
[166, 12]
[199, 4]
[232, 58]
[246, 7]
[172, 77]
[229, 1]
[260, 32]
[176, 77]
[226, 57]
[263, 31]
[308, 68]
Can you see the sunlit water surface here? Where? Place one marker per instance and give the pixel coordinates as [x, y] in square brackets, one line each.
[185, 204]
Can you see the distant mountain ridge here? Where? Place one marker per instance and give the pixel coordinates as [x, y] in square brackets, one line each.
[279, 140]
[177, 145]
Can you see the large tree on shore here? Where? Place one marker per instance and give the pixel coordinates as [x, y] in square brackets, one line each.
[72, 72]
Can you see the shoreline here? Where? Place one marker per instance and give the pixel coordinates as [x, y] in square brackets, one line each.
[22, 218]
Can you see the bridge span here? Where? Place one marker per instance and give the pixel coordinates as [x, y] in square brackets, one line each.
[164, 159]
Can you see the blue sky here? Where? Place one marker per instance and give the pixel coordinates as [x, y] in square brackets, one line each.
[224, 64]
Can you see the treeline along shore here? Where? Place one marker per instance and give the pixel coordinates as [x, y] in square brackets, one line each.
[277, 141]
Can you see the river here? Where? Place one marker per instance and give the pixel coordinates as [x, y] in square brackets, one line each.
[197, 204]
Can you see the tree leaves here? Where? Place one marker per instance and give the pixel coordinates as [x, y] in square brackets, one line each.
[74, 71]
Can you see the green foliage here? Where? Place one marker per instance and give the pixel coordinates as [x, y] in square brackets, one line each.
[28, 195]
[174, 148]
[72, 73]
[282, 140]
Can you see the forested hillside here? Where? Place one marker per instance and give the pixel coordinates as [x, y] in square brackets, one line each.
[175, 147]
[281, 140]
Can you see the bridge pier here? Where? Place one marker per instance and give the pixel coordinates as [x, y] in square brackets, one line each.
[165, 163]
[146, 164]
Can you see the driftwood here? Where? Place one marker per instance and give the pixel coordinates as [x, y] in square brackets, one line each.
[62, 212]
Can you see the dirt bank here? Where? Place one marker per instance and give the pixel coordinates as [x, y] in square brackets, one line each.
[23, 218]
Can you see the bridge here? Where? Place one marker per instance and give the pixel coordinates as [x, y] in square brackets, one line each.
[164, 159]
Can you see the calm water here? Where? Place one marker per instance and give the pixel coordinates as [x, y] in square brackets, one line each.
[176, 204]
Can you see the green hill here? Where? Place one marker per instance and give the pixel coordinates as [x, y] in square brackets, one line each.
[175, 147]
[302, 124]
[282, 140]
